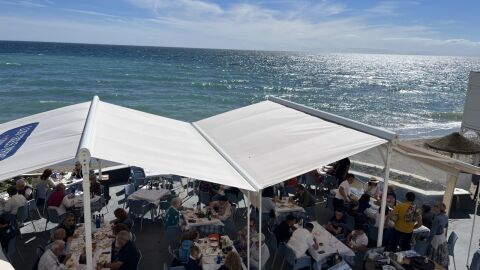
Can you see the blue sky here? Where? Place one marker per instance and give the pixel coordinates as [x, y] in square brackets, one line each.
[430, 27]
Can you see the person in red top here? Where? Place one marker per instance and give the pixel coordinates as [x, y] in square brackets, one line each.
[56, 198]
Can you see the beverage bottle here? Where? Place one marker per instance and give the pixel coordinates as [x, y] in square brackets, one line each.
[219, 258]
[97, 222]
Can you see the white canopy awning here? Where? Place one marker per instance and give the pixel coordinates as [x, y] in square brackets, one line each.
[271, 143]
[249, 148]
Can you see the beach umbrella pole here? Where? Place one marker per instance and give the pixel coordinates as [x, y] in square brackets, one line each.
[384, 195]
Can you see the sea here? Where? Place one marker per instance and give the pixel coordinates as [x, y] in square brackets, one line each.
[415, 95]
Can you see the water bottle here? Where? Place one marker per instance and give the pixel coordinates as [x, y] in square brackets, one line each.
[97, 222]
[219, 258]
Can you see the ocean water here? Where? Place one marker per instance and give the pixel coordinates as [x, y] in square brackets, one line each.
[417, 96]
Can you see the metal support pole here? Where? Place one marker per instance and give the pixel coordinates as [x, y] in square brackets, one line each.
[260, 217]
[473, 227]
[84, 158]
[248, 230]
[384, 195]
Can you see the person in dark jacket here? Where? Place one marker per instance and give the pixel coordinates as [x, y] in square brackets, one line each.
[303, 197]
[284, 230]
[125, 255]
[195, 260]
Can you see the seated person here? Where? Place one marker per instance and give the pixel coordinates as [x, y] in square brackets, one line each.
[242, 240]
[268, 197]
[357, 240]
[24, 189]
[14, 201]
[121, 216]
[195, 259]
[254, 260]
[186, 242]
[172, 217]
[125, 255]
[58, 234]
[68, 224]
[120, 227]
[363, 203]
[373, 189]
[233, 261]
[77, 171]
[49, 259]
[222, 207]
[56, 198]
[7, 233]
[302, 240]
[337, 222]
[285, 229]
[95, 189]
[303, 197]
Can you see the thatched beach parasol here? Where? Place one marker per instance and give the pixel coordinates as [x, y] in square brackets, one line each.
[454, 143]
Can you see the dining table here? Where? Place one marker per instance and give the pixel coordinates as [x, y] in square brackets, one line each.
[209, 246]
[153, 196]
[329, 245]
[102, 246]
[285, 207]
[198, 220]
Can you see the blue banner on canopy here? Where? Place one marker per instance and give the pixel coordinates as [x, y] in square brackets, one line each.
[11, 140]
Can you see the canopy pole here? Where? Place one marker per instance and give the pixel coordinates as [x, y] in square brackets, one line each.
[248, 230]
[99, 162]
[84, 158]
[449, 192]
[260, 217]
[384, 195]
[473, 227]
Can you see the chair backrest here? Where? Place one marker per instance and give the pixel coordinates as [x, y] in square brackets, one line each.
[204, 197]
[129, 189]
[136, 208]
[164, 205]
[40, 192]
[53, 215]
[452, 239]
[311, 213]
[22, 213]
[176, 178]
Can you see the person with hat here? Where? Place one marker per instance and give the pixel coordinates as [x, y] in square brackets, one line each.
[254, 258]
[373, 189]
[222, 207]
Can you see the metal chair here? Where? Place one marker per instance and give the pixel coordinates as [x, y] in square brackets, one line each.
[138, 209]
[22, 216]
[32, 205]
[311, 213]
[452, 239]
[52, 216]
[128, 190]
[138, 176]
[291, 259]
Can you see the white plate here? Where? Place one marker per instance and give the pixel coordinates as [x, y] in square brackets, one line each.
[388, 267]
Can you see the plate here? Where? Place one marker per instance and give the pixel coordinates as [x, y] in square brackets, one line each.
[388, 267]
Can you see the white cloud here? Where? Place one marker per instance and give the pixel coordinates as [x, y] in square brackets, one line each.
[385, 8]
[23, 3]
[88, 12]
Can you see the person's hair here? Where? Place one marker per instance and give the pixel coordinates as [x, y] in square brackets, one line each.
[120, 214]
[365, 197]
[46, 173]
[254, 221]
[223, 198]
[12, 190]
[410, 196]
[350, 175]
[309, 226]
[58, 234]
[442, 207]
[92, 177]
[56, 244]
[60, 187]
[338, 209]
[233, 261]
[358, 227]
[290, 217]
[124, 235]
[426, 208]
[194, 250]
[68, 216]
[120, 227]
[268, 192]
[300, 187]
[390, 189]
[176, 201]
[189, 235]
[21, 182]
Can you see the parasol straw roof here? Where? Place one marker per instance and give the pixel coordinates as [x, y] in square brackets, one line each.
[454, 143]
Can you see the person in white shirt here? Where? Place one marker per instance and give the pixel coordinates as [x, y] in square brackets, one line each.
[343, 194]
[45, 181]
[49, 259]
[254, 260]
[373, 189]
[14, 202]
[268, 197]
[301, 240]
[222, 207]
[357, 240]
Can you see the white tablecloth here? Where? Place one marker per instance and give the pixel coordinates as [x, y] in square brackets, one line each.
[330, 245]
[153, 196]
[210, 255]
[189, 214]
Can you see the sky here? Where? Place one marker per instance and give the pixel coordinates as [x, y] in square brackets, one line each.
[440, 27]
